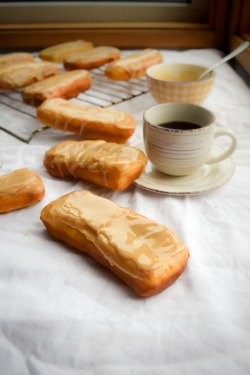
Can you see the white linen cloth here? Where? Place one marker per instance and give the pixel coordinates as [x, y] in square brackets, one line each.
[61, 313]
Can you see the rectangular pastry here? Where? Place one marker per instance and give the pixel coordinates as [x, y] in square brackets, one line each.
[146, 255]
[133, 66]
[14, 57]
[86, 121]
[93, 58]
[60, 51]
[19, 189]
[66, 85]
[104, 163]
[21, 74]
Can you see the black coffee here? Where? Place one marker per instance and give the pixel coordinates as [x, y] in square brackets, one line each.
[180, 125]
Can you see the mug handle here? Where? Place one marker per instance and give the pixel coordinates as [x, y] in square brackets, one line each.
[218, 133]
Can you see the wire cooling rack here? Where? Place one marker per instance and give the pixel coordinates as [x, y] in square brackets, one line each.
[17, 118]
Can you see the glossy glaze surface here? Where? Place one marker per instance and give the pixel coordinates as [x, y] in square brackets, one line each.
[133, 65]
[60, 51]
[120, 234]
[20, 181]
[96, 156]
[83, 115]
[20, 74]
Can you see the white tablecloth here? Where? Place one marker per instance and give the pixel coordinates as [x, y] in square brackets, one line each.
[61, 313]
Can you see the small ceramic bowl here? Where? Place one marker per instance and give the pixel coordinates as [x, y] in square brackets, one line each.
[177, 83]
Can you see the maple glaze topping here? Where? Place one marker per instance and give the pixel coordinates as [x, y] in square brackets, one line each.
[14, 57]
[136, 62]
[122, 235]
[71, 45]
[95, 53]
[60, 51]
[20, 181]
[94, 155]
[133, 66]
[28, 65]
[20, 73]
[86, 114]
[62, 80]
[144, 54]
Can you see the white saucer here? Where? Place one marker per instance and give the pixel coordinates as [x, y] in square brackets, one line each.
[205, 179]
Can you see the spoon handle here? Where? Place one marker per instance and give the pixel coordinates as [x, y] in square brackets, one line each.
[234, 53]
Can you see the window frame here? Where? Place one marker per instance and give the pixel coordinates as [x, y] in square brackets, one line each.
[103, 11]
[238, 32]
[163, 34]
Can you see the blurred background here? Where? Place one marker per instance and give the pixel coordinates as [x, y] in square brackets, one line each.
[175, 24]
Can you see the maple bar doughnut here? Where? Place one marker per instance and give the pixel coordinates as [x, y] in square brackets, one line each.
[133, 66]
[14, 57]
[19, 189]
[58, 52]
[146, 255]
[21, 74]
[86, 121]
[91, 59]
[104, 163]
[67, 85]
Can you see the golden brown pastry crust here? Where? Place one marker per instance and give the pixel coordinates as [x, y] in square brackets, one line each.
[104, 163]
[21, 74]
[133, 66]
[91, 59]
[67, 85]
[19, 189]
[86, 121]
[144, 254]
[14, 57]
[59, 52]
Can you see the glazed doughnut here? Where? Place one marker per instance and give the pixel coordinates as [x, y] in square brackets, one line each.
[14, 57]
[146, 255]
[19, 189]
[66, 85]
[133, 66]
[91, 59]
[106, 164]
[60, 51]
[24, 73]
[86, 121]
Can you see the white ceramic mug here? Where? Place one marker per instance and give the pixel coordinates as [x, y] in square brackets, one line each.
[176, 151]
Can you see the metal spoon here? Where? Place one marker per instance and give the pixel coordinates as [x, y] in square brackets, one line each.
[234, 53]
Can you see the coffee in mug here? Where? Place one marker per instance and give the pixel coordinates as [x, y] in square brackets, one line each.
[178, 137]
[179, 125]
